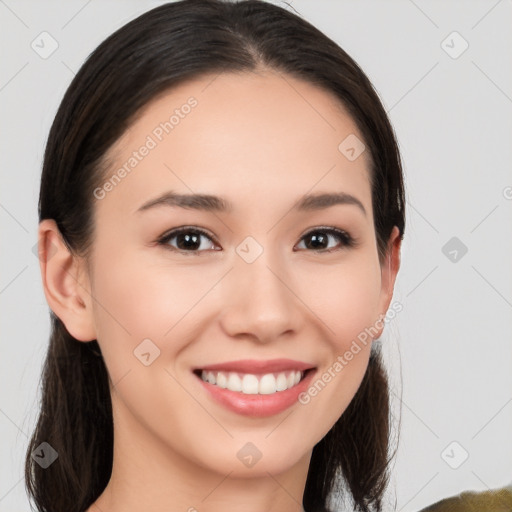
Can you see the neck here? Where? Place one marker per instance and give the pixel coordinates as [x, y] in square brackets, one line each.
[148, 475]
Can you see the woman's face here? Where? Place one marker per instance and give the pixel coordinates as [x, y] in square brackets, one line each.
[266, 281]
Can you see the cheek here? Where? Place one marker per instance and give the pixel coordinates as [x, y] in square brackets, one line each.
[136, 302]
[345, 298]
[346, 303]
[137, 299]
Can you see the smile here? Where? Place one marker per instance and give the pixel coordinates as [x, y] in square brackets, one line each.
[251, 384]
[256, 395]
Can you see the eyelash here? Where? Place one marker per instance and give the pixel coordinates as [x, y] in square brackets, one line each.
[347, 241]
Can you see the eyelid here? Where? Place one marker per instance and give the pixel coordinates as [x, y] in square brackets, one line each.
[168, 235]
[349, 241]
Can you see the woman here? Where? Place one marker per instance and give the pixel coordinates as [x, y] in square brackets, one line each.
[221, 213]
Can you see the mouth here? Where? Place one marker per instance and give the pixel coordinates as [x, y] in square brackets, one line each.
[254, 383]
[261, 390]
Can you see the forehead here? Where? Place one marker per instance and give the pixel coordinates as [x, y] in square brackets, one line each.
[239, 135]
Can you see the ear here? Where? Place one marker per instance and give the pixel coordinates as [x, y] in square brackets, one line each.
[389, 271]
[65, 282]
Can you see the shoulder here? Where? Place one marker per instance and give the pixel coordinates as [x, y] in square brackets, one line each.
[497, 500]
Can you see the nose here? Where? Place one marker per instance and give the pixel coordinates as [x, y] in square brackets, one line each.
[259, 301]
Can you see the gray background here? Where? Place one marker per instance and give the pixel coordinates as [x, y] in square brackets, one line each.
[449, 350]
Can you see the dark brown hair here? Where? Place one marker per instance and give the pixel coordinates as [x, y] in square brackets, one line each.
[151, 54]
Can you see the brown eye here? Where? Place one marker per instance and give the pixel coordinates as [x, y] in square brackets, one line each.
[319, 238]
[187, 239]
[191, 240]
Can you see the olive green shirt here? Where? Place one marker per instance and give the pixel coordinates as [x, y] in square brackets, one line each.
[497, 500]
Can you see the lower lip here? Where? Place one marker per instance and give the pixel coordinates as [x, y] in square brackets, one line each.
[258, 406]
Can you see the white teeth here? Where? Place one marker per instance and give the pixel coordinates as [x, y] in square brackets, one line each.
[222, 380]
[234, 382]
[251, 384]
[267, 385]
[281, 382]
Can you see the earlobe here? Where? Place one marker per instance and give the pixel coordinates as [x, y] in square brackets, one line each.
[65, 282]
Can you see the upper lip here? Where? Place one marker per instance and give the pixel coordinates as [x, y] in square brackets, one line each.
[255, 366]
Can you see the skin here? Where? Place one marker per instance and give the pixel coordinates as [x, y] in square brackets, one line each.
[174, 447]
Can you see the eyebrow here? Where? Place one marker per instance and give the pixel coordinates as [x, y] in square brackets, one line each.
[207, 202]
